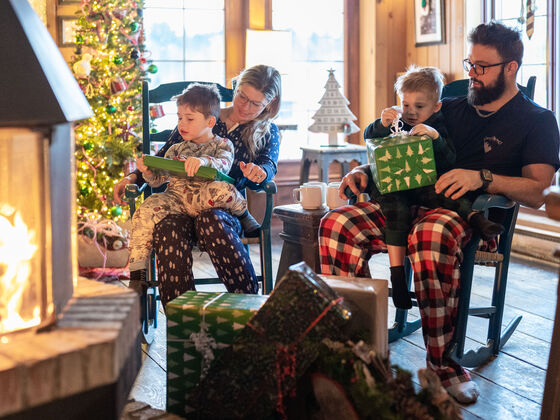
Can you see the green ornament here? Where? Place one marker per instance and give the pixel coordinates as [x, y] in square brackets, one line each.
[117, 60]
[134, 27]
[152, 68]
[116, 211]
[111, 109]
[153, 131]
[88, 145]
[79, 39]
[84, 192]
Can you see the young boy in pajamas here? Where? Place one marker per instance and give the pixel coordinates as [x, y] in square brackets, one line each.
[420, 90]
[198, 108]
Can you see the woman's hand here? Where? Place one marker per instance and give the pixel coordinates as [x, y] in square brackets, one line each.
[388, 115]
[356, 180]
[118, 189]
[191, 165]
[457, 182]
[252, 172]
[424, 130]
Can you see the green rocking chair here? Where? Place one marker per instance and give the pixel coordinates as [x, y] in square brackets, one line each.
[150, 301]
[496, 337]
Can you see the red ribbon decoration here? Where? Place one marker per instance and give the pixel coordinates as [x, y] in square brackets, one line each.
[286, 357]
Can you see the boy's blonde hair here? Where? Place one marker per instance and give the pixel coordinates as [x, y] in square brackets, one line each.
[203, 98]
[428, 79]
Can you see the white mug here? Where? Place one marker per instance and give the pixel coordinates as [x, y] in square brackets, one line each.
[333, 199]
[309, 196]
[323, 186]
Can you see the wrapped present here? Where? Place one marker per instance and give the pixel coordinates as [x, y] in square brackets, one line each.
[253, 377]
[102, 243]
[401, 162]
[367, 299]
[199, 326]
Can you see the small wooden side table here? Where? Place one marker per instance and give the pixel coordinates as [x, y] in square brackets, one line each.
[300, 234]
[325, 155]
[551, 396]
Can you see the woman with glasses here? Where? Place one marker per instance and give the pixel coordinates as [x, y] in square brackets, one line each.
[248, 124]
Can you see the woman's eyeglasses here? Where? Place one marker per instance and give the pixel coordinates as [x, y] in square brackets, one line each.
[479, 69]
[244, 99]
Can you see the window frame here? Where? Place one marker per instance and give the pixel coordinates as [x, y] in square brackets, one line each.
[553, 42]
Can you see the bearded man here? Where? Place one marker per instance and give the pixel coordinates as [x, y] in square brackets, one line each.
[505, 144]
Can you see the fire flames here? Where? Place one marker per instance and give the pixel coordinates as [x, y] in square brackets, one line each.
[16, 251]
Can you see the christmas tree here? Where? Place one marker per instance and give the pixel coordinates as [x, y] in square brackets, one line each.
[109, 64]
[333, 116]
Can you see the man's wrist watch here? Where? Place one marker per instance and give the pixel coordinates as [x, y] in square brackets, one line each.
[486, 177]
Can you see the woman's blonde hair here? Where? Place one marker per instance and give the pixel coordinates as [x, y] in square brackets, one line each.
[266, 80]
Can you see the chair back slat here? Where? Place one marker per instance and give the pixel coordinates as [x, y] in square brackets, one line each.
[461, 87]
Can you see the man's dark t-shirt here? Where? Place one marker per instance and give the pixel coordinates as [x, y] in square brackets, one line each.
[518, 134]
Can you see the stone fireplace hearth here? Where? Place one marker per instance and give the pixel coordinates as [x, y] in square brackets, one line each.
[82, 368]
[69, 347]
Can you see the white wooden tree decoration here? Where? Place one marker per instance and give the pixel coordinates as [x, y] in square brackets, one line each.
[333, 116]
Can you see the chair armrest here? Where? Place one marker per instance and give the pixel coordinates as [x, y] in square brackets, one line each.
[269, 188]
[131, 192]
[486, 201]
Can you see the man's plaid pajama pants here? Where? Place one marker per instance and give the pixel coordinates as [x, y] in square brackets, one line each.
[350, 235]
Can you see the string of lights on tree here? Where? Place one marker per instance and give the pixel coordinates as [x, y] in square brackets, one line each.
[109, 63]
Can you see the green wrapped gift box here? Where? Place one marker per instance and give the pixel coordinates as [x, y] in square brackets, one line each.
[199, 326]
[253, 376]
[401, 162]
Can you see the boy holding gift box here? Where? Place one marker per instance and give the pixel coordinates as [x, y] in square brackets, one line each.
[419, 89]
[198, 108]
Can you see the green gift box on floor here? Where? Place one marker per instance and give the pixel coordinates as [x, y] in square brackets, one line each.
[199, 326]
[401, 162]
[253, 376]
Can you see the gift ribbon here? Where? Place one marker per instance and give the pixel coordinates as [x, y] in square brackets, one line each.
[396, 127]
[107, 228]
[286, 356]
[204, 342]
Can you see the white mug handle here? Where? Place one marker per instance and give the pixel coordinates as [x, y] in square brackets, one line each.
[295, 194]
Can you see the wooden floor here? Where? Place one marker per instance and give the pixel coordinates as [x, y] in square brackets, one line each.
[511, 385]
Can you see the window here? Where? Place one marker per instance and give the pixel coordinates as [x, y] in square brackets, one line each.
[187, 42]
[539, 56]
[317, 46]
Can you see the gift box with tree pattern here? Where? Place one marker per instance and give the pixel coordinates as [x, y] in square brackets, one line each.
[401, 162]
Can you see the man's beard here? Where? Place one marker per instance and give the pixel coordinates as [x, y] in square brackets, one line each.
[484, 95]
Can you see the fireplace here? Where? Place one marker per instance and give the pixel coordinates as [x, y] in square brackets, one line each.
[69, 347]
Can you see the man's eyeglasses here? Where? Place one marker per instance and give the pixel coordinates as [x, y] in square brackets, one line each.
[479, 69]
[244, 99]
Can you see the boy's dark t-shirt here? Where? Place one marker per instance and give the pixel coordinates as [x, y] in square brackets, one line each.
[518, 134]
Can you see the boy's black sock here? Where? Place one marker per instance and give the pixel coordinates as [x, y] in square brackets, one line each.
[250, 225]
[401, 297]
[138, 281]
[487, 229]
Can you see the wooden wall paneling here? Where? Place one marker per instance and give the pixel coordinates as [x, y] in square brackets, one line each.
[457, 38]
[236, 21]
[367, 61]
[351, 62]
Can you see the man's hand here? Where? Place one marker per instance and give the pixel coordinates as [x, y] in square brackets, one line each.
[424, 130]
[457, 182]
[356, 180]
[252, 172]
[192, 164]
[388, 115]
